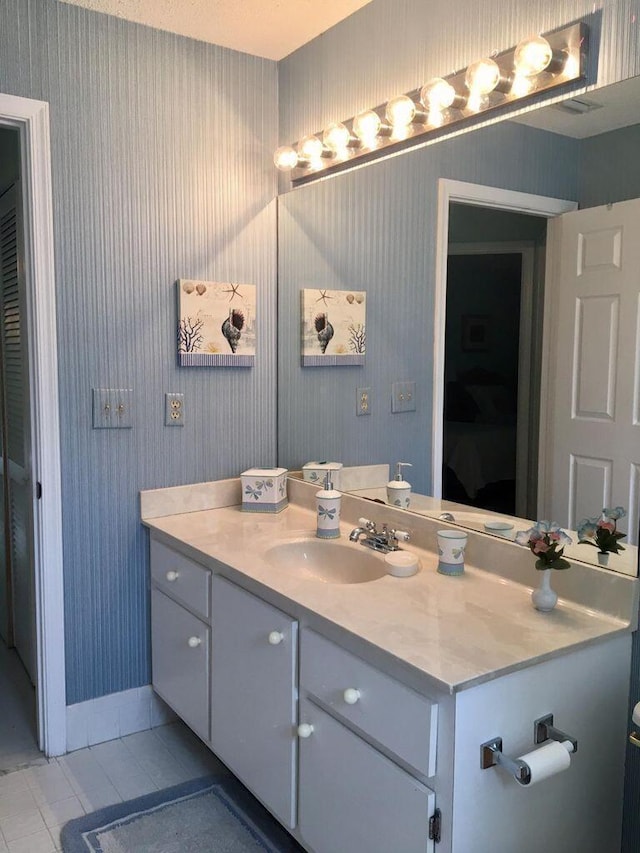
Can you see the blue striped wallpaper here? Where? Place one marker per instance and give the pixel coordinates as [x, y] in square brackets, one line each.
[162, 170]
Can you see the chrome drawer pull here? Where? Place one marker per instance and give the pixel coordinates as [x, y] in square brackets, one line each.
[172, 576]
[194, 642]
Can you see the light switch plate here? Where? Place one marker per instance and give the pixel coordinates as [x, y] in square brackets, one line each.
[403, 397]
[363, 401]
[112, 408]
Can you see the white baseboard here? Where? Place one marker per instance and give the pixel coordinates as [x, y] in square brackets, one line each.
[115, 715]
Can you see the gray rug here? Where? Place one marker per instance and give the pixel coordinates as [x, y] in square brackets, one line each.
[211, 815]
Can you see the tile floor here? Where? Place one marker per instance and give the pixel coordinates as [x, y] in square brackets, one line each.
[37, 801]
[18, 747]
[38, 796]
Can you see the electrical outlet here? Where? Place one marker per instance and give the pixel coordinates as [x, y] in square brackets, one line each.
[403, 397]
[363, 401]
[174, 409]
[112, 408]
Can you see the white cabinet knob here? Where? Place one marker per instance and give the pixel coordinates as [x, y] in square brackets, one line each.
[275, 638]
[194, 642]
[172, 576]
[351, 695]
[305, 730]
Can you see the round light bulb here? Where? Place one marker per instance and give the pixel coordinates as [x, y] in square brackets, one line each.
[437, 94]
[337, 137]
[521, 86]
[310, 147]
[435, 118]
[366, 126]
[532, 56]
[285, 158]
[401, 111]
[482, 76]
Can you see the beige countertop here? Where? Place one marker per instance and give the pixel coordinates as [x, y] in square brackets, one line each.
[454, 632]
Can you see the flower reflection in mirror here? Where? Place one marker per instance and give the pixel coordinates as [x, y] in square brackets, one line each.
[602, 532]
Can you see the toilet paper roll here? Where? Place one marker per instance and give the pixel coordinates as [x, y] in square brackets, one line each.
[552, 758]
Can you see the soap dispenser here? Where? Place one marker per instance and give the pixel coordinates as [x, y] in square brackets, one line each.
[398, 490]
[328, 510]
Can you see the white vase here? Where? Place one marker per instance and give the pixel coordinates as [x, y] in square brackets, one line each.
[603, 558]
[544, 598]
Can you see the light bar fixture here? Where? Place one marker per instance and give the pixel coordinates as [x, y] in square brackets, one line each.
[537, 64]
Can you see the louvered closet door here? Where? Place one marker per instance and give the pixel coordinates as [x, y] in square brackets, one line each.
[16, 444]
[8, 255]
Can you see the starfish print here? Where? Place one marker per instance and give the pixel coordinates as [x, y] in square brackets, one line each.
[323, 297]
[234, 290]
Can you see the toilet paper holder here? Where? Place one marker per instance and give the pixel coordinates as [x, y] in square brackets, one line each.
[491, 754]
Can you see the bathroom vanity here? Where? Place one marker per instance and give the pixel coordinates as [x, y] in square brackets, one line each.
[356, 711]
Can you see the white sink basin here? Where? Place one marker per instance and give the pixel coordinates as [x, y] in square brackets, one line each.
[327, 561]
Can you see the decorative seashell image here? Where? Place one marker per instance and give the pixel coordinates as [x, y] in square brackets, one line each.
[350, 298]
[201, 288]
[188, 287]
[360, 298]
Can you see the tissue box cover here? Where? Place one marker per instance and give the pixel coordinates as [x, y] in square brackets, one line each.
[315, 472]
[264, 489]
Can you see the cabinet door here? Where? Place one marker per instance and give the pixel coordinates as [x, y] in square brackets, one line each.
[180, 644]
[253, 695]
[351, 797]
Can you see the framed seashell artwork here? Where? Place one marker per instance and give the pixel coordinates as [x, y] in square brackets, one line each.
[217, 324]
[333, 327]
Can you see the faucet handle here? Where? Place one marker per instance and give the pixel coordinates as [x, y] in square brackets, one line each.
[370, 525]
[401, 535]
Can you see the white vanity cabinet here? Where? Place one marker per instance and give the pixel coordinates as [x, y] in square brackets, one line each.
[180, 637]
[254, 695]
[350, 714]
[353, 750]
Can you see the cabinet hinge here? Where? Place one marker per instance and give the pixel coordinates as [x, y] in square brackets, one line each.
[38, 491]
[435, 826]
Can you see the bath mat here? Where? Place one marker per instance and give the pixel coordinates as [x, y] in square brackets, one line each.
[211, 815]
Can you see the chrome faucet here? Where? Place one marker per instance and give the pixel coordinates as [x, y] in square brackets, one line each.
[385, 540]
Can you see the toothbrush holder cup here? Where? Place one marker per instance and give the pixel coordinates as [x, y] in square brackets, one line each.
[451, 546]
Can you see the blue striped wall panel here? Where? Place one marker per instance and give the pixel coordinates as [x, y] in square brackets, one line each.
[162, 170]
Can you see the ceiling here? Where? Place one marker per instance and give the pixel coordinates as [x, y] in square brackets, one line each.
[267, 28]
[595, 112]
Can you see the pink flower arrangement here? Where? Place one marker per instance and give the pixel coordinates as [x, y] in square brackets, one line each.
[547, 541]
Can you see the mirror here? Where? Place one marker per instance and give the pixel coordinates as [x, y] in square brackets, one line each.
[374, 229]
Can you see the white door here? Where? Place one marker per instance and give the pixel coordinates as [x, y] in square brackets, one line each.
[592, 428]
[17, 460]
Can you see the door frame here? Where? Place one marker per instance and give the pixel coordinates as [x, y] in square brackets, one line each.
[450, 191]
[31, 118]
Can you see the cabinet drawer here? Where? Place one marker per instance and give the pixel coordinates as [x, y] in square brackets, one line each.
[351, 798]
[181, 578]
[397, 718]
[181, 661]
